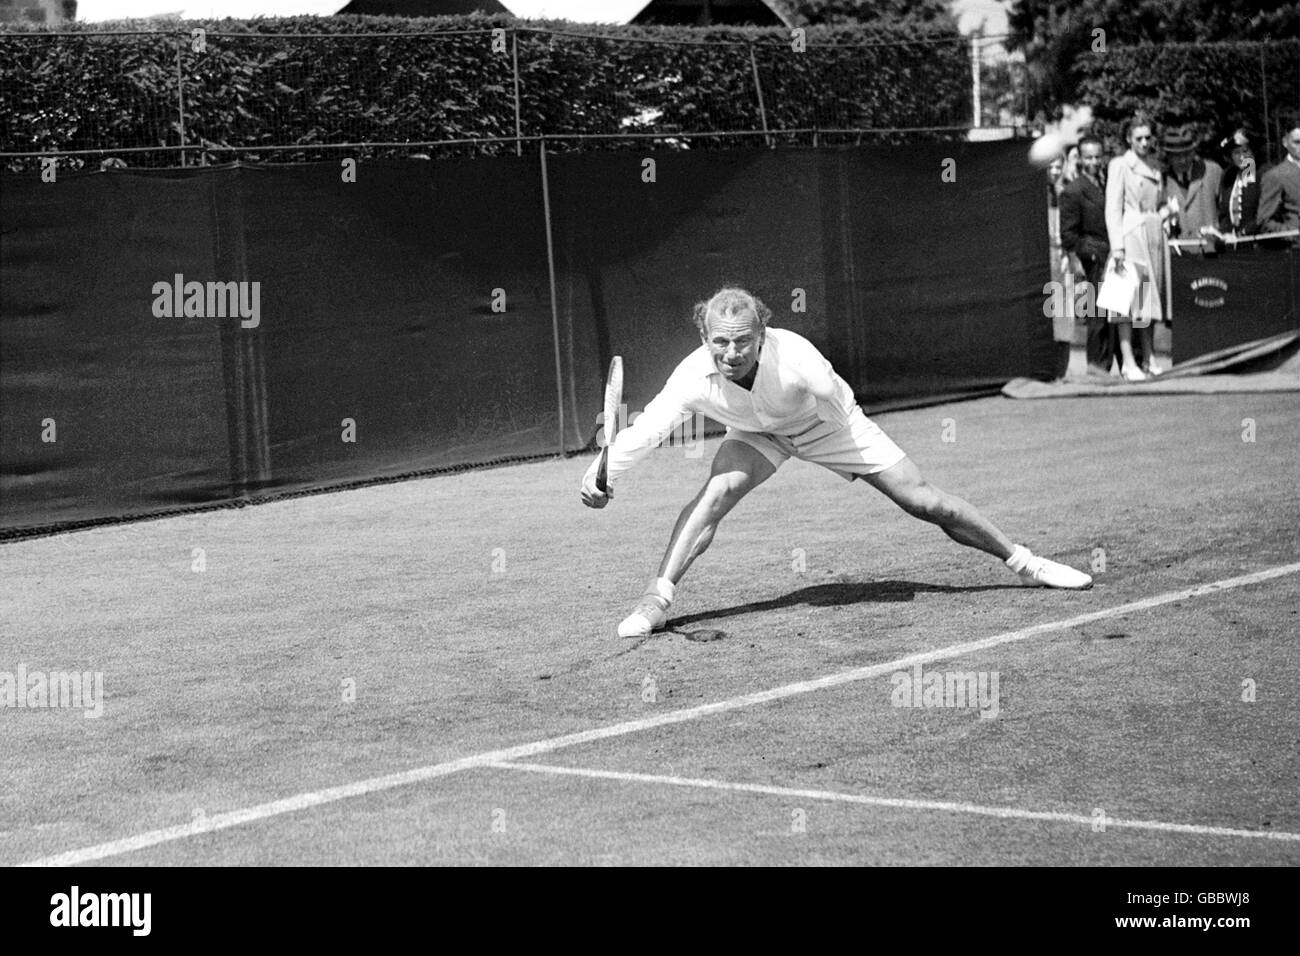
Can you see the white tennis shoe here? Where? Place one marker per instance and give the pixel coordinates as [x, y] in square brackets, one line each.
[649, 616]
[1043, 573]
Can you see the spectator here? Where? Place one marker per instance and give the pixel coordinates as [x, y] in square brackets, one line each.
[1279, 190]
[1195, 183]
[1135, 229]
[1083, 236]
[1055, 179]
[1239, 191]
[1062, 318]
[1070, 171]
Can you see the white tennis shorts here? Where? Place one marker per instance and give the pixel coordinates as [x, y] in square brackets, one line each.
[856, 449]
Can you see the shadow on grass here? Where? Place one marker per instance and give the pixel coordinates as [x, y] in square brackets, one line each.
[838, 594]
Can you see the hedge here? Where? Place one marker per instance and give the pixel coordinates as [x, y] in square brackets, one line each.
[1213, 86]
[307, 81]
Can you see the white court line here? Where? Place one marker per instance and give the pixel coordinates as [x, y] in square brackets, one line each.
[303, 801]
[901, 803]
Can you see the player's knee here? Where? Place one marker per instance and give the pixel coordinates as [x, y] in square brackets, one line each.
[723, 491]
[929, 504]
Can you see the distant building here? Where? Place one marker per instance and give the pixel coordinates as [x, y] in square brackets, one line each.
[699, 13]
[422, 8]
[49, 12]
[703, 13]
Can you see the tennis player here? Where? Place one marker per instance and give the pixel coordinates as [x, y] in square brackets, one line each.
[780, 398]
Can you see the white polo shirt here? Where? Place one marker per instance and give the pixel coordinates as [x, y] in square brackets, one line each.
[795, 390]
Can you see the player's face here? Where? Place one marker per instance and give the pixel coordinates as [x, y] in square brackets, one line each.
[734, 342]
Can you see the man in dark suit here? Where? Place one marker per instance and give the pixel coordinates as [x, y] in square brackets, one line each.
[1083, 235]
[1279, 190]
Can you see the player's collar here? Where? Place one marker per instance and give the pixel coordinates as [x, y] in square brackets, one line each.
[704, 363]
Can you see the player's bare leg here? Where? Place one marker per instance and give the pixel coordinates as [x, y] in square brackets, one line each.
[737, 470]
[904, 485]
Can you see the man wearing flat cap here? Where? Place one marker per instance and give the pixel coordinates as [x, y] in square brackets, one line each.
[1193, 181]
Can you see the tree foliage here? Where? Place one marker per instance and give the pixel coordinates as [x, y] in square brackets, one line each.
[1058, 35]
[1215, 87]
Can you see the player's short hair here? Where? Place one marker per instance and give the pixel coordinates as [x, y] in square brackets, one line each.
[731, 301]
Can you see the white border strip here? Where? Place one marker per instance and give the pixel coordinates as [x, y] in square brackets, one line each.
[303, 801]
[901, 803]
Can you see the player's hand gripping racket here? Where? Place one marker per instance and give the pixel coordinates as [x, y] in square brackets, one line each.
[613, 400]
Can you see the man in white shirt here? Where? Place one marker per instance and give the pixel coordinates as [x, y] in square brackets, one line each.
[780, 398]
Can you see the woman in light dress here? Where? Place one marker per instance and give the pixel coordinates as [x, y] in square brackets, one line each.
[1135, 223]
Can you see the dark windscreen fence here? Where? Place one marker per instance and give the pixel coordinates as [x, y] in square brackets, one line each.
[946, 297]
[407, 322]
[177, 339]
[104, 409]
[400, 323]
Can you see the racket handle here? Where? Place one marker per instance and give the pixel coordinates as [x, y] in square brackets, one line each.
[602, 471]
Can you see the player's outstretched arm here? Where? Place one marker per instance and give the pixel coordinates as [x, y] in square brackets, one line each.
[661, 417]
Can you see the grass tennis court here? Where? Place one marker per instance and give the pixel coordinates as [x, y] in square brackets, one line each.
[496, 718]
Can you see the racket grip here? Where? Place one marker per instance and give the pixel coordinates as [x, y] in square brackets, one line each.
[602, 471]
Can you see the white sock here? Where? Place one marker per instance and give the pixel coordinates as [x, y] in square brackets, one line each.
[1019, 558]
[663, 589]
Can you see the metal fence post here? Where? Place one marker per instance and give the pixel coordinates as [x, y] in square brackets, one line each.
[1024, 74]
[1263, 83]
[514, 56]
[180, 96]
[975, 79]
[555, 310]
[758, 88]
